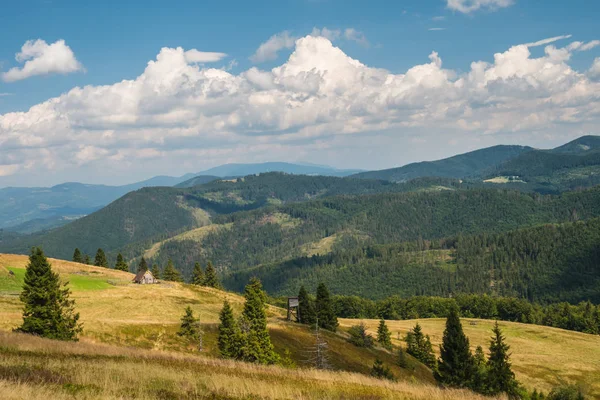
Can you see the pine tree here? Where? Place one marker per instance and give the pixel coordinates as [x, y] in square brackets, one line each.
[155, 271]
[325, 313]
[197, 275]
[142, 266]
[258, 347]
[121, 265]
[48, 310]
[456, 365]
[501, 378]
[384, 336]
[360, 337]
[229, 333]
[190, 325]
[306, 308]
[210, 277]
[419, 346]
[87, 260]
[381, 371]
[170, 273]
[77, 257]
[402, 359]
[100, 260]
[480, 377]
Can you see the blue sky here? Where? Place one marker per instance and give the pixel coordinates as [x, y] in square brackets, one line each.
[111, 41]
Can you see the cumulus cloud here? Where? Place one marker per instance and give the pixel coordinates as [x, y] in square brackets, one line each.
[268, 50]
[356, 36]
[195, 56]
[594, 71]
[470, 6]
[320, 103]
[41, 58]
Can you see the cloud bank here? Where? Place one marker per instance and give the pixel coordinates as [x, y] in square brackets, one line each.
[318, 105]
[470, 6]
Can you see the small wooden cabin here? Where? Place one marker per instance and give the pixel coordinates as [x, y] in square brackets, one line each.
[144, 277]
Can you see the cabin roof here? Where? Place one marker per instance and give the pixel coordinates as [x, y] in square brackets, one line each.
[141, 274]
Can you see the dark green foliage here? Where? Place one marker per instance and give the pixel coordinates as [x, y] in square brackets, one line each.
[324, 307]
[258, 347]
[170, 273]
[384, 336]
[419, 346]
[535, 395]
[402, 359]
[100, 259]
[156, 271]
[121, 265]
[480, 377]
[48, 310]
[197, 275]
[382, 371]
[306, 308]
[87, 260]
[143, 265]
[500, 378]
[229, 333]
[210, 277]
[359, 336]
[566, 392]
[190, 326]
[77, 256]
[456, 366]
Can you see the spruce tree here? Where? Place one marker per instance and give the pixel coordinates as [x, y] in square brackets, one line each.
[210, 277]
[258, 347]
[100, 260]
[419, 346]
[143, 265]
[325, 313]
[87, 260]
[384, 336]
[228, 333]
[381, 371]
[197, 275]
[480, 377]
[121, 265]
[402, 359]
[155, 271]
[456, 365]
[190, 325]
[170, 273]
[501, 378]
[306, 308]
[77, 256]
[48, 310]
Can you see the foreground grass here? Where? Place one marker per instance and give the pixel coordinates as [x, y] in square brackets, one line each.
[36, 368]
[542, 357]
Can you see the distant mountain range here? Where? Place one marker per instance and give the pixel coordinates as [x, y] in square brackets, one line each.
[27, 210]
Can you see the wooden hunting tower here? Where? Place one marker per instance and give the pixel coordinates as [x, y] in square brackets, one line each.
[293, 309]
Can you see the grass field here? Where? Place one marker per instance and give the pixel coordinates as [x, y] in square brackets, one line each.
[542, 356]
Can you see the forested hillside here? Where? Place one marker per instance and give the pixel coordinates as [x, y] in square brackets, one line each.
[549, 263]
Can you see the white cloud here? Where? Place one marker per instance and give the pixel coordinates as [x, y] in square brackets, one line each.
[41, 58]
[319, 104]
[330, 34]
[469, 6]
[438, 18]
[268, 50]
[5, 94]
[436, 29]
[356, 36]
[195, 56]
[547, 41]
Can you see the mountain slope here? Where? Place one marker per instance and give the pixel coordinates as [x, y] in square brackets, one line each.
[233, 170]
[460, 166]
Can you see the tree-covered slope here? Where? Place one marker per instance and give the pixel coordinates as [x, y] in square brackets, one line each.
[547, 263]
[460, 166]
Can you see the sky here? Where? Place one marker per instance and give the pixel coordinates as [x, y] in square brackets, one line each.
[115, 92]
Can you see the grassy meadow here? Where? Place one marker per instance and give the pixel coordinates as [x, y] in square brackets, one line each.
[542, 357]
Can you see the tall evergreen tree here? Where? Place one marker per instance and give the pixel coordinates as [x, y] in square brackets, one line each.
[210, 277]
[143, 265]
[156, 271]
[480, 377]
[419, 346]
[87, 260]
[170, 273]
[306, 308]
[456, 366]
[258, 347]
[48, 310]
[190, 325]
[325, 313]
[100, 260]
[229, 333]
[77, 256]
[384, 336]
[501, 378]
[121, 265]
[197, 275]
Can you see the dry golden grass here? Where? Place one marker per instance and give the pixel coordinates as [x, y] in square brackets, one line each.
[36, 368]
[195, 234]
[542, 356]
